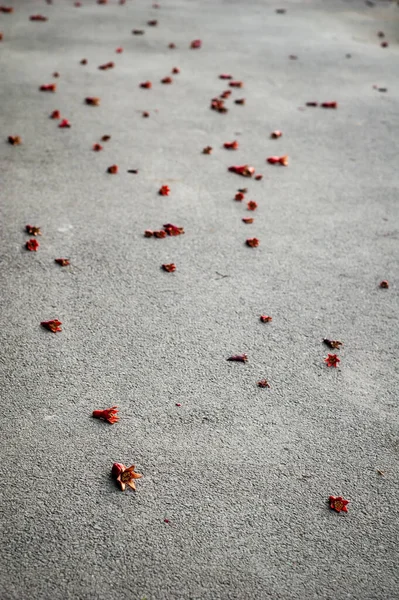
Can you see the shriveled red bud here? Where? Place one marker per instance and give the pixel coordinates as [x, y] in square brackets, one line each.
[248, 220]
[239, 196]
[167, 80]
[14, 140]
[148, 233]
[38, 18]
[32, 245]
[252, 242]
[276, 134]
[238, 358]
[231, 145]
[239, 101]
[164, 190]
[92, 101]
[64, 124]
[113, 169]
[160, 234]
[97, 147]
[106, 66]
[138, 32]
[176, 70]
[108, 414]
[146, 85]
[244, 170]
[48, 87]
[33, 230]
[207, 150]
[329, 104]
[54, 325]
[196, 44]
[63, 262]
[225, 76]
[55, 114]
[236, 84]
[169, 268]
[252, 205]
[280, 160]
[173, 230]
[384, 284]
[263, 383]
[265, 318]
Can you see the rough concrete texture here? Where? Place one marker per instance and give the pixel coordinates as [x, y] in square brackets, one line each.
[243, 474]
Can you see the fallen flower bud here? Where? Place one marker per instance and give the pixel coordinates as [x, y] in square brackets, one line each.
[64, 124]
[145, 114]
[178, 404]
[252, 205]
[138, 32]
[55, 114]
[239, 101]
[97, 147]
[280, 160]
[63, 262]
[239, 196]
[258, 177]
[33, 230]
[83, 61]
[196, 44]
[38, 18]
[384, 44]
[312, 104]
[92, 101]
[164, 190]
[247, 220]
[207, 150]
[53, 325]
[105, 138]
[173, 230]
[231, 145]
[243, 190]
[218, 105]
[332, 360]
[338, 504]
[56, 74]
[146, 85]
[238, 358]
[106, 66]
[276, 134]
[167, 80]
[384, 284]
[14, 140]
[125, 475]
[263, 383]
[160, 234]
[172, 46]
[175, 70]
[108, 414]
[226, 94]
[225, 76]
[236, 84]
[252, 242]
[244, 170]
[148, 233]
[335, 344]
[135, 171]
[6, 9]
[113, 169]
[265, 318]
[119, 50]
[152, 23]
[169, 268]
[329, 104]
[32, 245]
[48, 87]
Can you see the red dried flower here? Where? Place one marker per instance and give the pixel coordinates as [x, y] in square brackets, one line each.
[53, 325]
[218, 105]
[172, 46]
[244, 170]
[239, 101]
[335, 344]
[138, 32]
[6, 9]
[384, 44]
[329, 104]
[83, 61]
[119, 50]
[265, 318]
[108, 414]
[97, 147]
[178, 404]
[152, 23]
[33, 230]
[38, 18]
[226, 94]
[276, 134]
[231, 145]
[338, 504]
[239, 196]
[252, 205]
[169, 268]
[55, 114]
[258, 177]
[64, 124]
[160, 234]
[113, 169]
[252, 242]
[175, 70]
[312, 104]
[236, 84]
[105, 138]
[332, 360]
[196, 44]
[238, 358]
[125, 475]
[32, 245]
[102, 1]
[167, 80]
[1, 36]
[148, 233]
[14, 140]
[243, 190]
[225, 76]
[92, 101]
[164, 190]
[48, 87]
[278, 160]
[56, 74]
[247, 220]
[263, 383]
[106, 66]
[146, 85]
[63, 262]
[384, 284]
[145, 114]
[207, 150]
[173, 230]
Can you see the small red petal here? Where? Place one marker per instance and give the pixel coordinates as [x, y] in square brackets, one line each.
[64, 124]
[167, 80]
[247, 220]
[97, 147]
[63, 262]
[169, 268]
[252, 242]
[175, 70]
[119, 50]
[329, 104]
[276, 134]
[113, 169]
[239, 196]
[265, 318]
[236, 84]
[231, 145]
[146, 85]
[196, 44]
[225, 76]
[55, 114]
[53, 325]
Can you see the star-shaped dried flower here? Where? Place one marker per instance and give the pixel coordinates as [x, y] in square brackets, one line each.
[14, 140]
[338, 504]
[239, 196]
[335, 344]
[225, 94]
[92, 101]
[64, 124]
[173, 230]
[384, 284]
[207, 150]
[108, 414]
[332, 360]
[252, 242]
[32, 245]
[54, 325]
[218, 105]
[164, 190]
[148, 233]
[33, 230]
[265, 318]
[244, 170]
[263, 383]
[63, 262]
[252, 205]
[238, 358]
[169, 268]
[125, 475]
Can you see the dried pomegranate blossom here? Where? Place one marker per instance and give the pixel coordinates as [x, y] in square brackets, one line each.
[108, 414]
[276, 134]
[146, 85]
[207, 150]
[231, 145]
[113, 169]
[244, 170]
[65, 124]
[265, 318]
[252, 242]
[238, 358]
[63, 262]
[38, 18]
[280, 160]
[239, 196]
[332, 343]
[167, 80]
[55, 114]
[125, 475]
[14, 140]
[263, 383]
[164, 190]
[53, 325]
[338, 504]
[329, 104]
[97, 147]
[218, 105]
[252, 205]
[236, 84]
[247, 220]
[173, 230]
[32, 245]
[33, 230]
[106, 66]
[332, 360]
[48, 87]
[384, 284]
[169, 268]
[225, 76]
[91, 101]
[196, 44]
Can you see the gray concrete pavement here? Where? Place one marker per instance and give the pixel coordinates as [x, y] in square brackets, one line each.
[242, 474]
